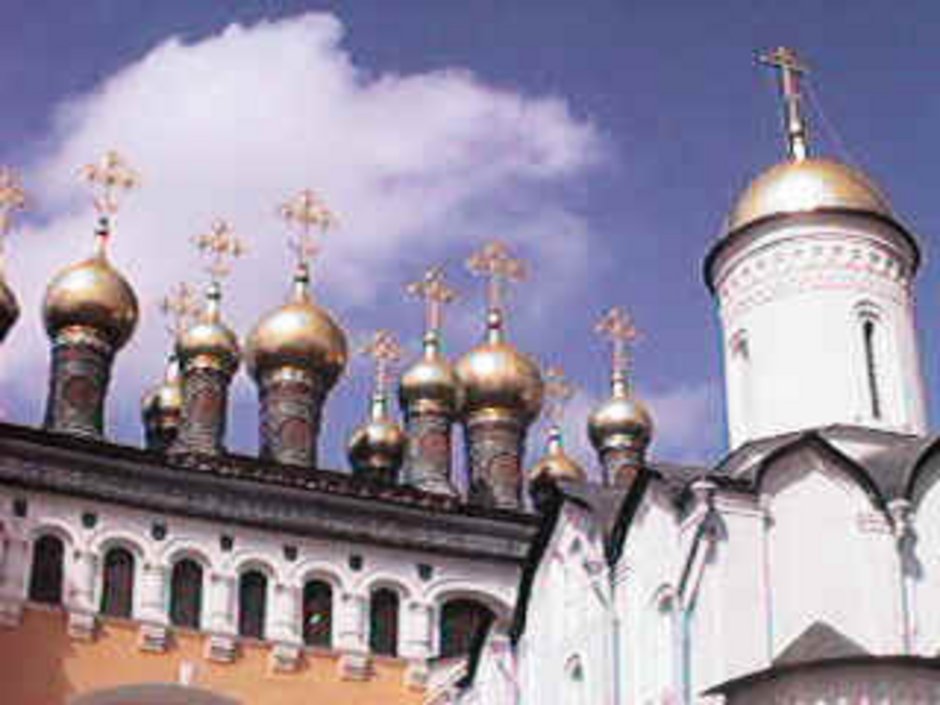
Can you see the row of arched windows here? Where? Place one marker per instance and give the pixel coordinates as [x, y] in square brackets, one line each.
[460, 618]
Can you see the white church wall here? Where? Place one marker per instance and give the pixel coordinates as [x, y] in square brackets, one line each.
[493, 583]
[831, 555]
[925, 578]
[647, 603]
[564, 655]
[793, 299]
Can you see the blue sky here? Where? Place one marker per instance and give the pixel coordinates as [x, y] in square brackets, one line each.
[606, 140]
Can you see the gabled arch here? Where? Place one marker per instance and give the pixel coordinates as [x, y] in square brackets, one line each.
[919, 479]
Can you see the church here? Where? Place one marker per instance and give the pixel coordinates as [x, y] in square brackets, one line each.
[802, 568]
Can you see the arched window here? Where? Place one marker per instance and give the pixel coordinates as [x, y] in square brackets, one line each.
[252, 603]
[117, 591]
[871, 365]
[461, 621]
[186, 594]
[318, 613]
[383, 622]
[45, 580]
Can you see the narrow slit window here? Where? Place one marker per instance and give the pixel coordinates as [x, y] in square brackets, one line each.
[871, 367]
[252, 599]
[45, 581]
[186, 594]
[117, 591]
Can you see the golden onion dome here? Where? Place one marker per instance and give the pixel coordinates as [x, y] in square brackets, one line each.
[621, 419]
[209, 339]
[430, 379]
[298, 334]
[495, 375]
[377, 445]
[806, 185]
[163, 404]
[91, 294]
[9, 309]
[557, 465]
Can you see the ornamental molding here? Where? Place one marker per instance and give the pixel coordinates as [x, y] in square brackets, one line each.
[792, 267]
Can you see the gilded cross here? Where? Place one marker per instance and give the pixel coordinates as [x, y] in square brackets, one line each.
[496, 264]
[108, 177]
[433, 290]
[385, 351]
[617, 326]
[182, 307]
[558, 392]
[12, 199]
[221, 246]
[306, 212]
[791, 69]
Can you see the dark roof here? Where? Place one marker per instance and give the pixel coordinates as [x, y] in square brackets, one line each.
[252, 492]
[819, 642]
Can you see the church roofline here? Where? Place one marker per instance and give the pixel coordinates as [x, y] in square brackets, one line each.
[260, 494]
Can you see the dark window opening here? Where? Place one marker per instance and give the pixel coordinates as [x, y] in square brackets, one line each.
[45, 580]
[461, 621]
[868, 333]
[186, 594]
[318, 614]
[252, 599]
[117, 592]
[383, 622]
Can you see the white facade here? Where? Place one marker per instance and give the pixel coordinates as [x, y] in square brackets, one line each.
[492, 583]
[817, 316]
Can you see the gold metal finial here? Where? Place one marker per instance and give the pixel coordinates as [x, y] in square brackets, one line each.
[305, 213]
[108, 178]
[791, 69]
[385, 351]
[221, 246]
[558, 392]
[433, 290]
[12, 199]
[182, 307]
[495, 262]
[617, 327]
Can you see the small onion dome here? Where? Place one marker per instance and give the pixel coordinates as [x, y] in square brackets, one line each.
[556, 464]
[162, 405]
[91, 294]
[495, 375]
[378, 445]
[209, 339]
[806, 185]
[431, 379]
[298, 334]
[621, 420]
[9, 309]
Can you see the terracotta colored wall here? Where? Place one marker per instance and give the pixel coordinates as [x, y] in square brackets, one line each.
[40, 665]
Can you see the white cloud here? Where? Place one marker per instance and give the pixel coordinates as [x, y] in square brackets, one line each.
[418, 167]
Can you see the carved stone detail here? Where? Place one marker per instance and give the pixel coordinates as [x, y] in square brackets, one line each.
[290, 407]
[205, 407]
[495, 448]
[221, 648]
[78, 383]
[285, 658]
[355, 666]
[11, 613]
[82, 626]
[428, 452]
[153, 638]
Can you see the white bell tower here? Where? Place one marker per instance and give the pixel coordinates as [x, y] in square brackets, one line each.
[814, 279]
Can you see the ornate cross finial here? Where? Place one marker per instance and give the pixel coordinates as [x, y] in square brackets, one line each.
[12, 199]
[558, 392]
[792, 69]
[385, 351]
[181, 306]
[433, 290]
[107, 178]
[617, 326]
[306, 212]
[221, 246]
[495, 263]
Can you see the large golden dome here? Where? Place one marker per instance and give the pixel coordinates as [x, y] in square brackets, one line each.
[620, 417]
[806, 185]
[496, 375]
[91, 294]
[9, 309]
[430, 379]
[298, 334]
